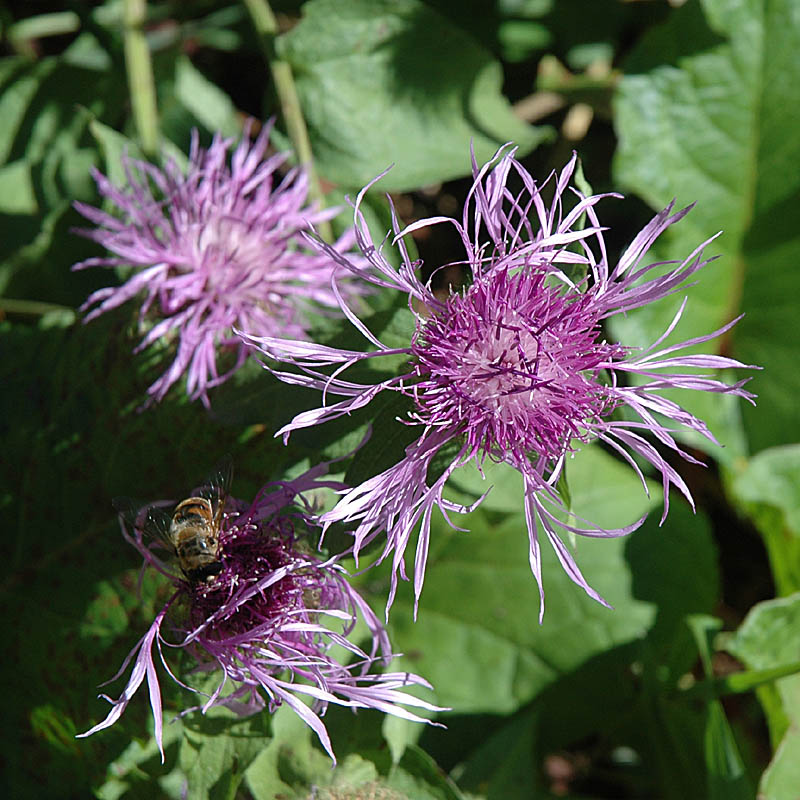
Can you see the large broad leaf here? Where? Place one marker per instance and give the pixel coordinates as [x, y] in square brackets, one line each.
[773, 478]
[768, 488]
[394, 82]
[620, 697]
[480, 604]
[711, 127]
[602, 489]
[782, 777]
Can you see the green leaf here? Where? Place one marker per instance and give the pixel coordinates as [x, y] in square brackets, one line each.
[712, 129]
[42, 25]
[39, 103]
[19, 82]
[55, 727]
[418, 776]
[216, 751]
[768, 638]
[394, 327]
[399, 734]
[281, 768]
[504, 658]
[502, 482]
[773, 478]
[207, 756]
[520, 38]
[562, 487]
[388, 441]
[726, 773]
[17, 192]
[113, 145]
[86, 51]
[616, 708]
[767, 488]
[45, 156]
[505, 764]
[601, 488]
[138, 772]
[365, 75]
[782, 777]
[205, 101]
[105, 617]
[288, 767]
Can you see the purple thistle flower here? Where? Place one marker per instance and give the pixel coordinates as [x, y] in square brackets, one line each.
[214, 248]
[267, 621]
[515, 367]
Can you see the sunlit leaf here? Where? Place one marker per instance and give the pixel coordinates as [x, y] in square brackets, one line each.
[768, 489]
[208, 103]
[768, 638]
[711, 128]
[479, 607]
[782, 777]
[364, 77]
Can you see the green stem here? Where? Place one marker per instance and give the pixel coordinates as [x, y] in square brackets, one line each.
[740, 682]
[140, 75]
[33, 308]
[267, 29]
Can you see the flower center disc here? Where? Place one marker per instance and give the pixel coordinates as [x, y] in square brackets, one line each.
[514, 361]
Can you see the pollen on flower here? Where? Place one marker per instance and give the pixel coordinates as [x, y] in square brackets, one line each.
[514, 363]
[249, 554]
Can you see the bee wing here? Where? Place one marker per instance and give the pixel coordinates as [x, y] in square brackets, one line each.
[215, 487]
[150, 520]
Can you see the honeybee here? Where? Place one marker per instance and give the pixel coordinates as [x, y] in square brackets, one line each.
[192, 532]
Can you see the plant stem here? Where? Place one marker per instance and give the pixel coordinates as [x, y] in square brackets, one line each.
[739, 682]
[140, 75]
[33, 308]
[267, 29]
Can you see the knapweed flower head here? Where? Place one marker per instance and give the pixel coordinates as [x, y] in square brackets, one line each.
[265, 621]
[515, 367]
[215, 246]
